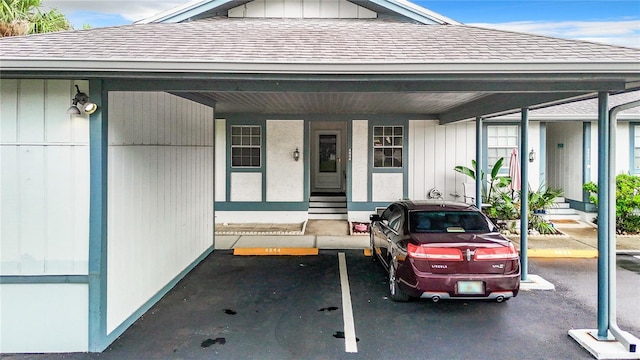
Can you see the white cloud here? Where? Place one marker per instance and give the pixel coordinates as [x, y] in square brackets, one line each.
[130, 10]
[623, 32]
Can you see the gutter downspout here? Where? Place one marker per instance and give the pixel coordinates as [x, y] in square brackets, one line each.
[629, 341]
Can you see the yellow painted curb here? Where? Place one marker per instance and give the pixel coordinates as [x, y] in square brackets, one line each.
[367, 252]
[562, 253]
[275, 251]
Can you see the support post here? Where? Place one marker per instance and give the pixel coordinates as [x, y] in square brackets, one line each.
[603, 215]
[479, 162]
[524, 194]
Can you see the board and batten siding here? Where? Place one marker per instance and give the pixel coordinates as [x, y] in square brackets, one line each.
[161, 196]
[44, 190]
[434, 151]
[336, 9]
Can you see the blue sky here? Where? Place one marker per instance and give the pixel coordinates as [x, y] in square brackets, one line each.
[610, 21]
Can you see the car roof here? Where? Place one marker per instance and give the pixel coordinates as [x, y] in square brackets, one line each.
[436, 205]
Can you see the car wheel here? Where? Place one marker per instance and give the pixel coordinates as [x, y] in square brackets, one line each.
[394, 291]
[371, 248]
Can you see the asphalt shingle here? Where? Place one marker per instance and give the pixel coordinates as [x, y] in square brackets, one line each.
[308, 41]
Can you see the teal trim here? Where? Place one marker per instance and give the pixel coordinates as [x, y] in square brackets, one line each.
[306, 157]
[585, 206]
[632, 146]
[394, 120]
[542, 157]
[368, 206]
[44, 279]
[261, 206]
[240, 121]
[349, 167]
[98, 221]
[586, 157]
[154, 299]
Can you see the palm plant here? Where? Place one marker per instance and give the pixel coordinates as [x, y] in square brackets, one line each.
[22, 17]
[495, 182]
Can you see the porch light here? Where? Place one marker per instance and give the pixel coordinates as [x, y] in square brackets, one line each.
[82, 99]
[296, 155]
[532, 155]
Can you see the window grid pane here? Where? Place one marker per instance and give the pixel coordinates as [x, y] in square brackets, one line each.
[246, 144]
[388, 145]
[501, 139]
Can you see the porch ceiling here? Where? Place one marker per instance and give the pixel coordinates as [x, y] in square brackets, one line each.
[425, 104]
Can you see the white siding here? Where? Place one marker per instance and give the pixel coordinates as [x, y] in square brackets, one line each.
[359, 160]
[337, 9]
[285, 176]
[160, 213]
[565, 158]
[44, 318]
[44, 180]
[434, 151]
[623, 147]
[221, 160]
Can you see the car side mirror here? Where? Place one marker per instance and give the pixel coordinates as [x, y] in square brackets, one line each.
[375, 217]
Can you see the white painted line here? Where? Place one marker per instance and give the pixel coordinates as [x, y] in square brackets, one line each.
[350, 344]
[636, 256]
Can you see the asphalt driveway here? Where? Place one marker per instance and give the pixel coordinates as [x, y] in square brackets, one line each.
[292, 307]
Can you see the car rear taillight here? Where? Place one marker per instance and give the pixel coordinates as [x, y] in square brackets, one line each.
[501, 253]
[434, 253]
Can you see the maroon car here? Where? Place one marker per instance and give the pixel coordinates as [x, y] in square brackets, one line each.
[443, 250]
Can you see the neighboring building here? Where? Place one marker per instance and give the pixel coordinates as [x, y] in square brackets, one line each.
[206, 107]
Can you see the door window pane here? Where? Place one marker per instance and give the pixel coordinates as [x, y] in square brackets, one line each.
[327, 153]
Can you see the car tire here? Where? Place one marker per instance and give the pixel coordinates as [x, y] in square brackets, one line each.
[372, 248]
[394, 290]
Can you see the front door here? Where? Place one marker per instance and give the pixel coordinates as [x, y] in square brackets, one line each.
[327, 158]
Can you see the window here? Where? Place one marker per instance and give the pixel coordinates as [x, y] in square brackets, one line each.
[246, 144]
[387, 146]
[501, 139]
[636, 149]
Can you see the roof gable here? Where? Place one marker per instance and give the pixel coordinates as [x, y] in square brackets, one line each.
[399, 9]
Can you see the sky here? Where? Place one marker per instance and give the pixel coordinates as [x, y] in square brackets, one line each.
[615, 22]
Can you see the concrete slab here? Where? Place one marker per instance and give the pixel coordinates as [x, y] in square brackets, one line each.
[342, 242]
[610, 349]
[225, 242]
[275, 241]
[535, 282]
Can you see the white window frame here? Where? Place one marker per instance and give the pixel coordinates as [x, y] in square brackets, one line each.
[392, 139]
[501, 139]
[247, 142]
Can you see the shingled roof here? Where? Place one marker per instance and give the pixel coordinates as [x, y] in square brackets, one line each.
[312, 41]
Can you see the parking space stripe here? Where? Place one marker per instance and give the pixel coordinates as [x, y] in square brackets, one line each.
[350, 343]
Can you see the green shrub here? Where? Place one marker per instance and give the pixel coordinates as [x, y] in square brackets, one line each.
[627, 202]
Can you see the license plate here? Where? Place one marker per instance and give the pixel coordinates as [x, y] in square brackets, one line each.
[470, 287]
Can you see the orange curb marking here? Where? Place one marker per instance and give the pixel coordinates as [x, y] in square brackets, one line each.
[562, 253]
[275, 251]
[367, 252]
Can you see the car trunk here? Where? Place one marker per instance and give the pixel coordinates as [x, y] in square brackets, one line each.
[470, 246]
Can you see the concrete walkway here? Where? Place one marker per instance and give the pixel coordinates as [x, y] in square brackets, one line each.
[578, 240]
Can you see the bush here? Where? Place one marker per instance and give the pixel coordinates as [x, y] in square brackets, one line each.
[627, 202]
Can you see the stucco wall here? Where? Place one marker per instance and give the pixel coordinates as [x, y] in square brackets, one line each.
[160, 210]
[285, 176]
[44, 237]
[359, 160]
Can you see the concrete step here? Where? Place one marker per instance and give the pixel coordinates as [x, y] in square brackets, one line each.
[328, 210]
[561, 211]
[560, 205]
[553, 217]
[560, 199]
[328, 216]
[325, 198]
[318, 204]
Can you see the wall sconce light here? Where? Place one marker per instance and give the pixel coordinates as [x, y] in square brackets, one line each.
[296, 155]
[82, 99]
[532, 155]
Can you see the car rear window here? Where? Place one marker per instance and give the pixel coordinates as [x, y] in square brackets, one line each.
[447, 221]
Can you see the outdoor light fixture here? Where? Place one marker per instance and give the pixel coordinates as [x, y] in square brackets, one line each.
[82, 99]
[532, 156]
[296, 155]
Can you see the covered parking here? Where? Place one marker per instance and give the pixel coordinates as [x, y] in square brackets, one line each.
[169, 85]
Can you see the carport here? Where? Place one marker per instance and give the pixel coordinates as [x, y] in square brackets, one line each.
[131, 76]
